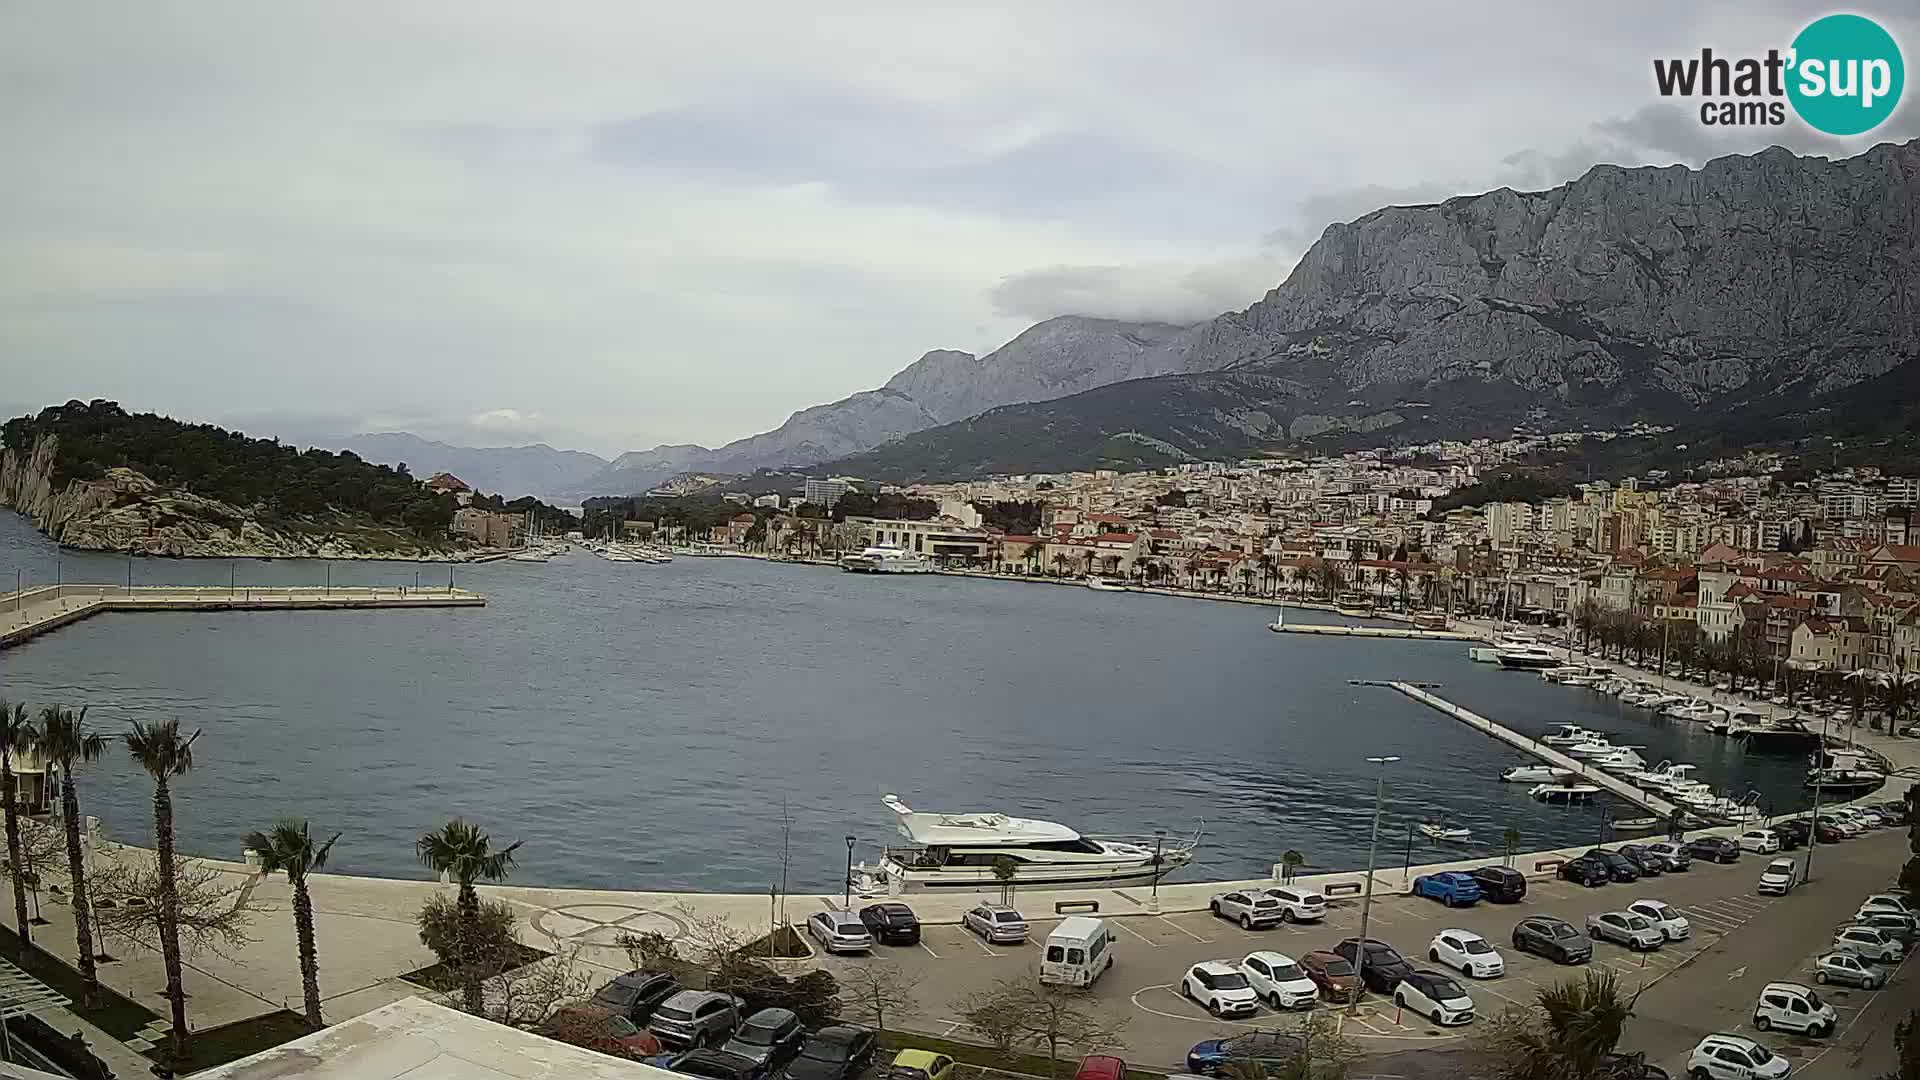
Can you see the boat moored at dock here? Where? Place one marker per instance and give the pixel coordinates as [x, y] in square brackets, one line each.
[882, 559]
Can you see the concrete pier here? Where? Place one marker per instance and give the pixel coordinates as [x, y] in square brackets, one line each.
[1368, 631]
[32, 612]
[1585, 773]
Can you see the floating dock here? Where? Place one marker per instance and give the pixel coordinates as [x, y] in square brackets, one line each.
[1369, 631]
[32, 612]
[1586, 773]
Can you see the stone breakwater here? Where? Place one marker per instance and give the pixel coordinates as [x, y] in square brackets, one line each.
[128, 512]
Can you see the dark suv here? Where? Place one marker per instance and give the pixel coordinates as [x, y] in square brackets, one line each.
[1555, 939]
[1714, 849]
[1384, 968]
[1793, 834]
[1648, 862]
[1589, 870]
[1619, 867]
[1501, 884]
[636, 994]
[769, 1038]
[891, 923]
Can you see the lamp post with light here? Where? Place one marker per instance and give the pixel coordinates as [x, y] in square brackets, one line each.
[847, 901]
[1366, 901]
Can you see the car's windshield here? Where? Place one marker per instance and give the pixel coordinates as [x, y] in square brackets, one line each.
[1006, 916]
[1813, 1001]
[620, 1027]
[1563, 930]
[1286, 971]
[1234, 981]
[1266, 901]
[1444, 989]
[1662, 911]
[1476, 946]
[755, 1036]
[1635, 922]
[617, 995]
[1760, 1054]
[672, 1012]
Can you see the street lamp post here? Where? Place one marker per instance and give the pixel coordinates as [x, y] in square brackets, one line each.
[1159, 841]
[847, 901]
[1366, 901]
[1813, 820]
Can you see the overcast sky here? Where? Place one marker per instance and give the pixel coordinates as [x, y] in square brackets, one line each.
[610, 226]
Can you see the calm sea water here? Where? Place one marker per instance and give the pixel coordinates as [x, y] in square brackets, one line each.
[643, 726]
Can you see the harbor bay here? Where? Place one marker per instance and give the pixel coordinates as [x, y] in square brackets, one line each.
[648, 727]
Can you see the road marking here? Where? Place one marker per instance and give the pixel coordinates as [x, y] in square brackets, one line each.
[1184, 930]
[1504, 997]
[929, 948]
[1122, 924]
[1742, 970]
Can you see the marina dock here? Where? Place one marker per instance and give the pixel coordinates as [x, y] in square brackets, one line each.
[1369, 631]
[32, 612]
[1587, 774]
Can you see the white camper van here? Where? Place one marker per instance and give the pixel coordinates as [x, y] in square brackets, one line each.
[1078, 952]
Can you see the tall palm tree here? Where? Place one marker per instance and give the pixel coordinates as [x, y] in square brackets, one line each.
[461, 851]
[17, 736]
[158, 747]
[66, 742]
[290, 848]
[1583, 1023]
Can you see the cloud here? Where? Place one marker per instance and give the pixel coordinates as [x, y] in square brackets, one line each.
[505, 421]
[1138, 293]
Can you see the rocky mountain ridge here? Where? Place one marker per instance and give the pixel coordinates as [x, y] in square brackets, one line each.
[539, 470]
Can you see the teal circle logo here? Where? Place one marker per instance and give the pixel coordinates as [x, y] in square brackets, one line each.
[1847, 74]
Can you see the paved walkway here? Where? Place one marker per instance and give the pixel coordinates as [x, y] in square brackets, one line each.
[32, 612]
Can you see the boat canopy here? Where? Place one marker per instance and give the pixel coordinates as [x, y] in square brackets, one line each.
[959, 830]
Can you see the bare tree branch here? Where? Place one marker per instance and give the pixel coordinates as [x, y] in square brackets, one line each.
[214, 913]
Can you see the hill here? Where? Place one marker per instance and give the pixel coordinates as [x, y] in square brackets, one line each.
[512, 471]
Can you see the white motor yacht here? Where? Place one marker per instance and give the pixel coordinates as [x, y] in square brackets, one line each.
[1565, 735]
[1564, 793]
[1103, 585]
[958, 851]
[882, 559]
[1696, 711]
[1624, 759]
[1534, 774]
[1528, 658]
[1487, 654]
[1596, 747]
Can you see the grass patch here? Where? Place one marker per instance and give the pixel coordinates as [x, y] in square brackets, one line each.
[114, 1013]
[446, 980]
[231, 1042]
[987, 1057]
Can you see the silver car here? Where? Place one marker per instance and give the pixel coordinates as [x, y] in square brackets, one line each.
[696, 1018]
[1249, 908]
[1868, 944]
[996, 923]
[839, 931]
[1625, 928]
[1847, 970]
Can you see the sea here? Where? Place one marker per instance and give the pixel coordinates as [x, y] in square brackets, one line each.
[711, 724]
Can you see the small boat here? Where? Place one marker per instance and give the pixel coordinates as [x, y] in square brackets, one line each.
[1534, 774]
[1639, 824]
[1781, 736]
[1441, 831]
[1103, 585]
[1845, 781]
[1596, 747]
[1355, 605]
[1564, 793]
[1527, 658]
[1624, 759]
[1569, 735]
[885, 559]
[1487, 654]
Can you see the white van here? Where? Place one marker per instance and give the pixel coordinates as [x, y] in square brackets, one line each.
[1794, 1008]
[1078, 952]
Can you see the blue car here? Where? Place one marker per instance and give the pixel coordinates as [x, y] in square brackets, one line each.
[1450, 888]
[1271, 1050]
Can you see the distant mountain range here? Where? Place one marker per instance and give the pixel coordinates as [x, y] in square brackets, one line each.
[1756, 286]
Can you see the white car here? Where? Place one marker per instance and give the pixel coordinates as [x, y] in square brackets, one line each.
[1299, 905]
[1792, 1007]
[1220, 988]
[1278, 981]
[1840, 967]
[1780, 876]
[1663, 917]
[1898, 905]
[1868, 944]
[1759, 841]
[1434, 996]
[1633, 931]
[1250, 908]
[1730, 1057]
[1466, 952]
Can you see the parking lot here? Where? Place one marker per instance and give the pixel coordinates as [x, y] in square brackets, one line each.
[1154, 952]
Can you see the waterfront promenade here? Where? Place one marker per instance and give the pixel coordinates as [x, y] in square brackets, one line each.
[31, 612]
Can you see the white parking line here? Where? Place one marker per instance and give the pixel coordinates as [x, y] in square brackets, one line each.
[1122, 924]
[1184, 930]
[929, 948]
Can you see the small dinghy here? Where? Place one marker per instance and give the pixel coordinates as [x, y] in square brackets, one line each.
[1452, 834]
[1534, 774]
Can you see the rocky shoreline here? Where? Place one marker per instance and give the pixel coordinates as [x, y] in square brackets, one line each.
[126, 512]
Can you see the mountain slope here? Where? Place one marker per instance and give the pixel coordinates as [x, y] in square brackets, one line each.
[509, 471]
[1657, 293]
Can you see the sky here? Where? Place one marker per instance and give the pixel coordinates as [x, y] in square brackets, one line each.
[607, 226]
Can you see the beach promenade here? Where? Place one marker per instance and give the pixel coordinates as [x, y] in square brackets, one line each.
[31, 612]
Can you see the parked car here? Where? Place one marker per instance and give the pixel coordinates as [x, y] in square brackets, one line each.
[1664, 917]
[1779, 878]
[1897, 904]
[1101, 1067]
[636, 994]
[1278, 981]
[1501, 884]
[1383, 967]
[1435, 996]
[695, 1018]
[1795, 1008]
[996, 923]
[1451, 888]
[1847, 969]
[920, 1065]
[1249, 908]
[1586, 870]
[837, 1052]
[1673, 855]
[839, 931]
[1643, 859]
[1618, 866]
[1625, 928]
[1331, 972]
[1730, 1057]
[1869, 944]
[1714, 849]
[1466, 952]
[1271, 1050]
[1828, 833]
[1299, 905]
[592, 1020]
[1793, 833]
[891, 923]
[769, 1038]
[1220, 988]
[1759, 841]
[1554, 939]
[1846, 828]
[1901, 928]
[715, 1065]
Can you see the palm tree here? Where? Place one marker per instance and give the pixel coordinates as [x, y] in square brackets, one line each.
[66, 742]
[158, 747]
[1403, 577]
[1060, 562]
[289, 847]
[17, 736]
[1582, 1023]
[1292, 859]
[461, 851]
